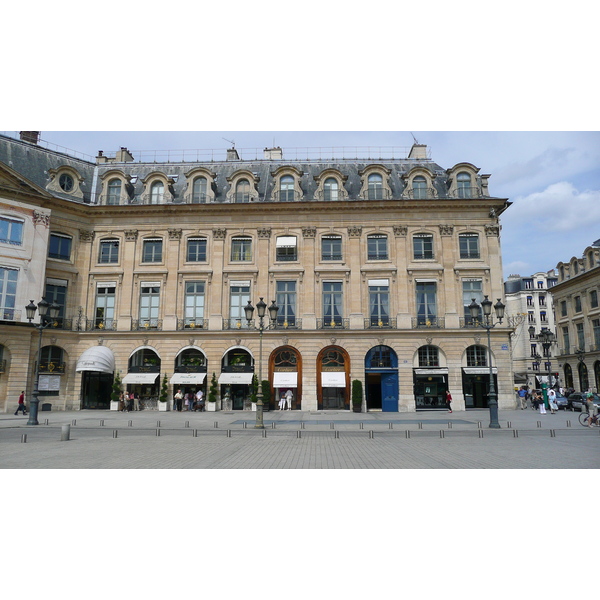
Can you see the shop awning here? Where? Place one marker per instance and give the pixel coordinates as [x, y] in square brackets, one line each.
[480, 370]
[281, 380]
[97, 358]
[147, 378]
[335, 379]
[236, 378]
[188, 378]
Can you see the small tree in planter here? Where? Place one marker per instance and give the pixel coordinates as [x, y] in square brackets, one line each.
[266, 391]
[163, 405]
[213, 392]
[116, 392]
[254, 391]
[357, 394]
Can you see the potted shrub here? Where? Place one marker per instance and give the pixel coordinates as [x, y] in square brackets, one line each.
[213, 394]
[163, 405]
[116, 392]
[357, 394]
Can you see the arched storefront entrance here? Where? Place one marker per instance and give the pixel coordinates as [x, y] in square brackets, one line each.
[97, 367]
[584, 382]
[381, 377]
[476, 377]
[333, 379]
[190, 371]
[286, 365]
[237, 369]
[430, 378]
[142, 379]
[568, 376]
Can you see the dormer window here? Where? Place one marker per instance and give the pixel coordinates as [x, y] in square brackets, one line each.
[242, 191]
[375, 187]
[286, 189]
[330, 190]
[419, 187]
[66, 182]
[463, 184]
[330, 186]
[199, 190]
[113, 195]
[157, 192]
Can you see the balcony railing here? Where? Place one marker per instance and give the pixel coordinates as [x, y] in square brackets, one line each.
[420, 193]
[101, 325]
[380, 323]
[55, 368]
[146, 324]
[191, 323]
[289, 323]
[333, 323]
[241, 323]
[376, 194]
[428, 322]
[10, 314]
[286, 196]
[466, 192]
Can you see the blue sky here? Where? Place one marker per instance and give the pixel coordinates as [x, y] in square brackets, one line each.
[552, 178]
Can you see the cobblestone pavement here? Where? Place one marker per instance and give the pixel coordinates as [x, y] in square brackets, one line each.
[298, 440]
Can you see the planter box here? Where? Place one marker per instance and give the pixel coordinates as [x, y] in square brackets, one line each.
[114, 405]
[211, 407]
[163, 406]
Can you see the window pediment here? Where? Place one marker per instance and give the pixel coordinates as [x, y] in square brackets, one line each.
[375, 183]
[65, 180]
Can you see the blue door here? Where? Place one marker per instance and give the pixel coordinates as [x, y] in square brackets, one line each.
[389, 392]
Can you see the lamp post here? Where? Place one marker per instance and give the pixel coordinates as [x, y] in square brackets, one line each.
[44, 307]
[260, 311]
[546, 337]
[488, 325]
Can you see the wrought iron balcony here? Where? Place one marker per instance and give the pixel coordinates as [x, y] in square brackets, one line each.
[380, 323]
[55, 368]
[240, 323]
[286, 196]
[466, 192]
[10, 314]
[101, 325]
[191, 323]
[420, 193]
[376, 194]
[428, 323]
[146, 324]
[288, 323]
[333, 323]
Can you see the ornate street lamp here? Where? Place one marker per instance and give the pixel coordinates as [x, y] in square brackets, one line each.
[546, 338]
[488, 324]
[260, 311]
[44, 307]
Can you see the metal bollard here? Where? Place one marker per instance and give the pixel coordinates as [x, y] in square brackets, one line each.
[187, 424]
[158, 432]
[478, 424]
[568, 423]
[298, 434]
[130, 424]
[46, 422]
[195, 433]
[515, 433]
[158, 423]
[65, 433]
[481, 433]
[115, 433]
[391, 426]
[245, 425]
[264, 433]
[449, 424]
[552, 433]
[101, 422]
[23, 438]
[229, 433]
[336, 435]
[539, 424]
[302, 425]
[407, 432]
[216, 424]
[74, 422]
[361, 426]
[508, 424]
[371, 434]
[273, 425]
[331, 426]
[420, 425]
[441, 433]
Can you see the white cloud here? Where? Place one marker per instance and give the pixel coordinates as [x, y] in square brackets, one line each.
[561, 207]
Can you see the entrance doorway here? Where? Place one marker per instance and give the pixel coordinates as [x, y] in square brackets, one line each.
[333, 398]
[381, 377]
[374, 391]
[96, 389]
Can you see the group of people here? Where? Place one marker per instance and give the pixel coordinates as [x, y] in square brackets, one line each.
[285, 402]
[190, 401]
[129, 401]
[536, 399]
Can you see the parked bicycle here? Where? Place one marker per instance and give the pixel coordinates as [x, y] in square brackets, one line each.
[584, 419]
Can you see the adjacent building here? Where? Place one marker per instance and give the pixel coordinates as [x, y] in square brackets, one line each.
[529, 301]
[578, 319]
[371, 262]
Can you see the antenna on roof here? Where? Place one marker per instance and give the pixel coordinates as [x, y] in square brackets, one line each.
[230, 141]
[414, 138]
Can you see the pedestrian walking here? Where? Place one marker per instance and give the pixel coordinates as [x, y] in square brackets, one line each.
[591, 407]
[289, 395]
[449, 401]
[282, 402]
[136, 401]
[552, 401]
[177, 399]
[199, 400]
[523, 397]
[21, 404]
[541, 404]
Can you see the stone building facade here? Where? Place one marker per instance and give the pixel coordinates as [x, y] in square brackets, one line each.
[578, 319]
[372, 263]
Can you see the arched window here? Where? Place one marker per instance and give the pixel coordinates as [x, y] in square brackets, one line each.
[157, 192]
[584, 382]
[375, 187]
[463, 184]
[429, 356]
[330, 189]
[113, 195]
[419, 185]
[242, 191]
[199, 190]
[286, 189]
[477, 356]
[568, 376]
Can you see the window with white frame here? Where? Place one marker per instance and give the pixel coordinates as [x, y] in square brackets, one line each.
[194, 303]
[419, 187]
[423, 246]
[286, 300]
[152, 250]
[157, 192]
[580, 336]
[149, 305]
[331, 247]
[426, 292]
[377, 247]
[330, 189]
[286, 189]
[242, 191]
[196, 249]
[109, 251]
[333, 311]
[8, 292]
[11, 231]
[468, 245]
[199, 189]
[239, 296]
[286, 249]
[472, 290]
[113, 191]
[375, 187]
[379, 303]
[593, 299]
[241, 249]
[463, 185]
[104, 313]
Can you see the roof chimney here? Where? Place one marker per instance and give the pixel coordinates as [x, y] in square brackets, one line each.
[123, 155]
[31, 137]
[273, 153]
[418, 151]
[232, 154]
